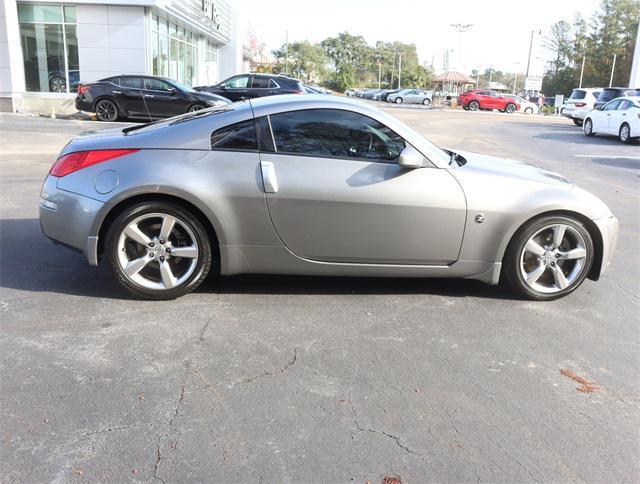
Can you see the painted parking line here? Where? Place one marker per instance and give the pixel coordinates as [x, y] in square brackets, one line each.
[609, 156]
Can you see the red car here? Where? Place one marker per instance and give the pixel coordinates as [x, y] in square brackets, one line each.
[481, 99]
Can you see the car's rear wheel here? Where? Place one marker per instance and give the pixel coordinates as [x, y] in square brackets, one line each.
[528, 110]
[588, 127]
[195, 107]
[474, 106]
[398, 100]
[548, 258]
[625, 133]
[466, 108]
[577, 122]
[106, 110]
[158, 250]
[510, 108]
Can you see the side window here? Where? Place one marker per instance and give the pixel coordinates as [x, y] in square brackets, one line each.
[624, 105]
[156, 84]
[236, 137]
[260, 82]
[130, 82]
[334, 133]
[273, 84]
[612, 106]
[239, 82]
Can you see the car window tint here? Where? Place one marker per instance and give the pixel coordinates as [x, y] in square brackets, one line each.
[624, 105]
[239, 137]
[132, 82]
[334, 133]
[273, 84]
[613, 105]
[260, 82]
[578, 94]
[156, 84]
[239, 82]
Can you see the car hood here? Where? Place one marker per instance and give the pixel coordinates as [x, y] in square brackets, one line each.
[501, 167]
[207, 97]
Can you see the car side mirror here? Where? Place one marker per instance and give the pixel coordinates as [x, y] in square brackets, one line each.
[174, 91]
[411, 159]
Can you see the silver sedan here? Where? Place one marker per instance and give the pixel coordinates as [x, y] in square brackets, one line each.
[315, 185]
[411, 96]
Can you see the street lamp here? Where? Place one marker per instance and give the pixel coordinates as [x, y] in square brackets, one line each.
[461, 29]
[530, 49]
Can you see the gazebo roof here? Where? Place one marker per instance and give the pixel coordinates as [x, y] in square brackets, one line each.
[454, 76]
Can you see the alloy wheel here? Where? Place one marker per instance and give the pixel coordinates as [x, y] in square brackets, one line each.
[474, 105]
[106, 110]
[553, 258]
[625, 133]
[588, 127]
[157, 251]
[58, 84]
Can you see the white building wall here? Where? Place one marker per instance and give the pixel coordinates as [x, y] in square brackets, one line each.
[230, 54]
[11, 67]
[111, 41]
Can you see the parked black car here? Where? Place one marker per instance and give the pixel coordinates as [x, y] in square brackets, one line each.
[247, 86]
[610, 93]
[384, 95]
[148, 97]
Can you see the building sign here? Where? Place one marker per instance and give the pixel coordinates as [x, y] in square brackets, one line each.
[533, 84]
[210, 10]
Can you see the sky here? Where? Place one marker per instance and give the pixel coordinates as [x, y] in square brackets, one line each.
[499, 37]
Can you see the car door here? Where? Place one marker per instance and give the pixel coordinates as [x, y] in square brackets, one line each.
[162, 98]
[411, 96]
[609, 117]
[237, 88]
[129, 94]
[484, 98]
[619, 116]
[336, 193]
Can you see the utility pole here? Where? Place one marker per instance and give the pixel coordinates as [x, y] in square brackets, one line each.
[530, 49]
[515, 81]
[584, 56]
[286, 53]
[613, 68]
[379, 74]
[399, 68]
[393, 69]
[634, 79]
[490, 75]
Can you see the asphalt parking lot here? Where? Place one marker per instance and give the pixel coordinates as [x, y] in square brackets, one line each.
[295, 379]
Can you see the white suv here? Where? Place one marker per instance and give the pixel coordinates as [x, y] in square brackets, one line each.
[581, 101]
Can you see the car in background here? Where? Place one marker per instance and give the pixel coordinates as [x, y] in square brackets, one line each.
[58, 81]
[581, 101]
[526, 107]
[610, 93]
[388, 92]
[382, 92]
[483, 99]
[411, 96]
[314, 90]
[249, 86]
[369, 93]
[350, 92]
[619, 117]
[150, 97]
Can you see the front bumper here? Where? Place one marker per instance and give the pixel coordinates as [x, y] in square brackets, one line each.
[608, 227]
[68, 218]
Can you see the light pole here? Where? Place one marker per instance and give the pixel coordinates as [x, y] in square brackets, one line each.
[461, 29]
[399, 68]
[530, 49]
[584, 57]
[613, 68]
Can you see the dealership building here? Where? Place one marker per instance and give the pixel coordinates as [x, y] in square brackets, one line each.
[47, 48]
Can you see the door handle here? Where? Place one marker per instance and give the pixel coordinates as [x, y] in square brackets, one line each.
[269, 178]
[117, 92]
[149, 95]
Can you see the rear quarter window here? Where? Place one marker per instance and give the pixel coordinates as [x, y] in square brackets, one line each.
[236, 137]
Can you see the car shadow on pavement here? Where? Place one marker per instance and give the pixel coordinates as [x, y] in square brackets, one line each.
[30, 262]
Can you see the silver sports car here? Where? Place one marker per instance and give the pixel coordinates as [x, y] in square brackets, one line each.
[315, 185]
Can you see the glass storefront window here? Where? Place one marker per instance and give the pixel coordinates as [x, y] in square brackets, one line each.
[174, 51]
[49, 47]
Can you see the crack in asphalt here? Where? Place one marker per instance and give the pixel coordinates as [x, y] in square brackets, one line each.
[385, 434]
[203, 330]
[278, 371]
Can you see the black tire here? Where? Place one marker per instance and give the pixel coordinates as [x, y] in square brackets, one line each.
[588, 127]
[624, 135]
[196, 107]
[511, 269]
[528, 110]
[106, 110]
[426, 101]
[474, 106]
[510, 108]
[577, 122]
[204, 258]
[399, 100]
[466, 108]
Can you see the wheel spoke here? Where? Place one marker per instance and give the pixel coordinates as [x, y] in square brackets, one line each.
[168, 222]
[577, 253]
[558, 234]
[558, 276]
[168, 279]
[133, 232]
[136, 265]
[190, 252]
[534, 275]
[533, 247]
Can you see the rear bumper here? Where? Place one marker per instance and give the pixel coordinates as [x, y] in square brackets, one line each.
[84, 104]
[68, 219]
[609, 229]
[575, 113]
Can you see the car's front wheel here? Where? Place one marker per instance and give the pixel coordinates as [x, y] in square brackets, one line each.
[588, 127]
[625, 134]
[510, 108]
[474, 106]
[158, 250]
[195, 107]
[426, 101]
[548, 258]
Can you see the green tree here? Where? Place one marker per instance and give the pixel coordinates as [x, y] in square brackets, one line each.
[302, 60]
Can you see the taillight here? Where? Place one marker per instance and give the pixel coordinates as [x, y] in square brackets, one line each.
[82, 159]
[581, 105]
[82, 89]
[296, 91]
